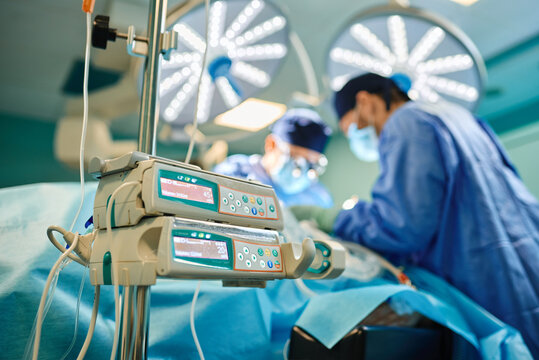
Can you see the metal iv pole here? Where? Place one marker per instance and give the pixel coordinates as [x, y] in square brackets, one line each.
[133, 343]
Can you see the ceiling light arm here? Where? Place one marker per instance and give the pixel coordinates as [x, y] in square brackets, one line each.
[306, 64]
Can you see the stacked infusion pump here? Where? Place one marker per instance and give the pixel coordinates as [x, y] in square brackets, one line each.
[175, 220]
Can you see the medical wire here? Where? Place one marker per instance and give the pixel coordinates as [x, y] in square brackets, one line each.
[203, 68]
[115, 265]
[133, 333]
[188, 159]
[81, 169]
[77, 311]
[304, 288]
[44, 295]
[30, 342]
[286, 347]
[125, 299]
[192, 322]
[90, 333]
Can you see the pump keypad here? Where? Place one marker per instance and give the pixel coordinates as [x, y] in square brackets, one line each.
[238, 203]
[257, 257]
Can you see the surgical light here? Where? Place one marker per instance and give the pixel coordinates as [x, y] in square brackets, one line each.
[465, 2]
[247, 41]
[241, 117]
[440, 60]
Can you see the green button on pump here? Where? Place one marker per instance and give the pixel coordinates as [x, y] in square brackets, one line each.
[275, 253]
[245, 198]
[260, 252]
[259, 201]
[272, 208]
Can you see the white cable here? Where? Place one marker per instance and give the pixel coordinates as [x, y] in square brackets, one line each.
[286, 348]
[30, 342]
[44, 296]
[195, 120]
[75, 331]
[114, 266]
[90, 333]
[134, 332]
[304, 288]
[85, 114]
[126, 297]
[44, 309]
[54, 241]
[192, 322]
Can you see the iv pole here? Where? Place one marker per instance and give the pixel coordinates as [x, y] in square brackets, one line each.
[135, 307]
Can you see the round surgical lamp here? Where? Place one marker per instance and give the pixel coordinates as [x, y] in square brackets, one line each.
[439, 58]
[247, 41]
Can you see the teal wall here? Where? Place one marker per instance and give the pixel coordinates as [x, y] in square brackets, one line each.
[27, 152]
[27, 148]
[523, 147]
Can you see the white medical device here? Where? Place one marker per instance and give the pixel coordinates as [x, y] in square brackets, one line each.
[155, 217]
[177, 221]
[175, 188]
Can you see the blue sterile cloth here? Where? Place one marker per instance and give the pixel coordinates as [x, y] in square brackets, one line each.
[491, 338]
[232, 323]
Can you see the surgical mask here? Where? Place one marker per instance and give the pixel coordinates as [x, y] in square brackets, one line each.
[363, 142]
[290, 178]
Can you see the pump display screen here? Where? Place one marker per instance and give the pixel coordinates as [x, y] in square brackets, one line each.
[186, 190]
[200, 248]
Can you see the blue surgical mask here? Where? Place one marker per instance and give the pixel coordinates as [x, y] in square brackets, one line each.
[291, 178]
[363, 142]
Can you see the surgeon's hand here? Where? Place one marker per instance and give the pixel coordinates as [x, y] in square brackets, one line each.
[324, 218]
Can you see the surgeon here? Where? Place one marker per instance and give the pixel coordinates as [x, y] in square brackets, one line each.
[292, 161]
[447, 198]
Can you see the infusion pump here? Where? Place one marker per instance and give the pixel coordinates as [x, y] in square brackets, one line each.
[174, 188]
[178, 221]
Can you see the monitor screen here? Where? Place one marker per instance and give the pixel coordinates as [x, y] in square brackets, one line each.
[187, 191]
[200, 248]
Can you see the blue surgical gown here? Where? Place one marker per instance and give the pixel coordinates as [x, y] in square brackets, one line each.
[250, 167]
[448, 199]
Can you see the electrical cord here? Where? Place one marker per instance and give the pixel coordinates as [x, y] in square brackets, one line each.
[44, 296]
[90, 333]
[77, 311]
[50, 234]
[286, 348]
[30, 342]
[187, 160]
[195, 120]
[192, 322]
[115, 265]
[51, 285]
[126, 296]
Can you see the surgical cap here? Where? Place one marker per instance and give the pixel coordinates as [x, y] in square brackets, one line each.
[345, 99]
[302, 127]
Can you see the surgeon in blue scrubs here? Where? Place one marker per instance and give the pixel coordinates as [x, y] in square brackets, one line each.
[447, 199]
[292, 160]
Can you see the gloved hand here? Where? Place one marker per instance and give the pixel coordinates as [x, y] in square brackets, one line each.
[324, 218]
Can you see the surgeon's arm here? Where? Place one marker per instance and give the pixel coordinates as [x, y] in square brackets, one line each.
[407, 197]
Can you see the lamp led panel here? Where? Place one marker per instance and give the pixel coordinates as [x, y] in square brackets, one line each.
[247, 42]
[439, 59]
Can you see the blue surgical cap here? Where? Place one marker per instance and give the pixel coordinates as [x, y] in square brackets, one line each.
[302, 127]
[345, 99]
